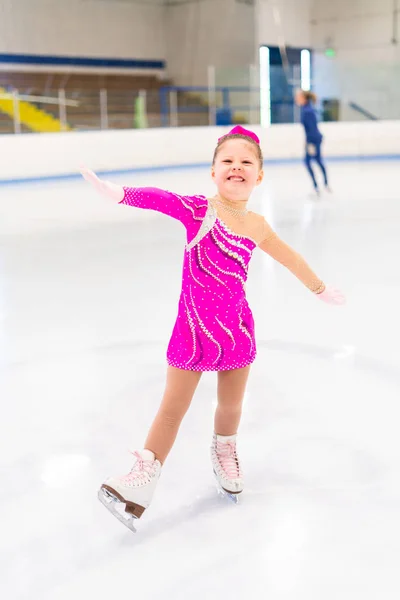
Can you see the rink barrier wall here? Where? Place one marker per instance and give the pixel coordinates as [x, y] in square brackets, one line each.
[38, 157]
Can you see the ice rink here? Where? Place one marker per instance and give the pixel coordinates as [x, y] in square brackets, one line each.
[88, 299]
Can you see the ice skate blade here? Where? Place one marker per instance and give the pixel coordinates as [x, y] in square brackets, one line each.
[112, 503]
[130, 507]
[225, 494]
[315, 196]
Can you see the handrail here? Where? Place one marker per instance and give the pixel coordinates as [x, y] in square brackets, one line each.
[44, 99]
[363, 111]
[202, 88]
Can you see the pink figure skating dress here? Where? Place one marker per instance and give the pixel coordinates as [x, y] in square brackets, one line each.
[214, 330]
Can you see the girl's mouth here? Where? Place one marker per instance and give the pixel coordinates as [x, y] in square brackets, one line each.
[236, 178]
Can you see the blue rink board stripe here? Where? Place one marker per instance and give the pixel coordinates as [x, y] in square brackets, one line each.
[81, 61]
[272, 161]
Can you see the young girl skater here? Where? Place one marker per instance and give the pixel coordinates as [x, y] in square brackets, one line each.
[313, 135]
[214, 329]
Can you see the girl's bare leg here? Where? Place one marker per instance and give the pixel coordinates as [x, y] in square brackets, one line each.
[179, 391]
[231, 388]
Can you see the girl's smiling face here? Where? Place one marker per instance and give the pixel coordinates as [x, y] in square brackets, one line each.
[236, 170]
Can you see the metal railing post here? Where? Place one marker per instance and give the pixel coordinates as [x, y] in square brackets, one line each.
[163, 96]
[62, 107]
[143, 96]
[173, 108]
[212, 96]
[104, 108]
[17, 117]
[254, 101]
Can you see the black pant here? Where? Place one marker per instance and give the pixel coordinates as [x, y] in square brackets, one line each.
[313, 151]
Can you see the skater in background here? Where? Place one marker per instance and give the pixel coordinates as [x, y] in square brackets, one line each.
[214, 329]
[313, 135]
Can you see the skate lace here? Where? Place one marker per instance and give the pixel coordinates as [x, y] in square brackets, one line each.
[228, 459]
[141, 472]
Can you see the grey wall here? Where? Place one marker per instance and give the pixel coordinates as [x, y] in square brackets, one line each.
[95, 28]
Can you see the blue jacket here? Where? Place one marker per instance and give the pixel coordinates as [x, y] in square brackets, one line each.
[309, 120]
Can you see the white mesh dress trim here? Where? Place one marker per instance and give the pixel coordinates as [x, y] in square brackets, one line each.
[206, 226]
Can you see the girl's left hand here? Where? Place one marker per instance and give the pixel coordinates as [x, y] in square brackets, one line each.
[331, 295]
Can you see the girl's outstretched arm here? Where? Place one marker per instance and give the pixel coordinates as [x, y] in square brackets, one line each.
[182, 208]
[293, 261]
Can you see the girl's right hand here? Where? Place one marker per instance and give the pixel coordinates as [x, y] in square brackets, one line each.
[106, 188]
[331, 295]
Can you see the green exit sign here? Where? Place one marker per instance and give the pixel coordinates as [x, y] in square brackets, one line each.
[330, 52]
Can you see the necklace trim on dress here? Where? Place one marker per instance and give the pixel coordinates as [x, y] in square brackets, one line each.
[237, 212]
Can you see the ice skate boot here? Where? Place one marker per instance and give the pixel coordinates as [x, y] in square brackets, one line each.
[226, 466]
[315, 194]
[128, 496]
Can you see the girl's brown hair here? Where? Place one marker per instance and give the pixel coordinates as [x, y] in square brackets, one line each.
[310, 96]
[240, 136]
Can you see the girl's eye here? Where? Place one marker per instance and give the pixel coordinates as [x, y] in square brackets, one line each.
[227, 160]
[247, 162]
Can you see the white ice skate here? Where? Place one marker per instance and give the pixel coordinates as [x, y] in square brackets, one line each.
[226, 466]
[128, 496]
[315, 194]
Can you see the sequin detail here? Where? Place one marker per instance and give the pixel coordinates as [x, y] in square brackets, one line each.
[233, 242]
[197, 218]
[227, 331]
[230, 273]
[207, 270]
[191, 271]
[235, 255]
[245, 330]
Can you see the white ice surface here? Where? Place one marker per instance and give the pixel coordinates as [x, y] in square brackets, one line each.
[88, 298]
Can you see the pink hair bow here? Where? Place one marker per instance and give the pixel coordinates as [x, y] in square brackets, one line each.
[242, 131]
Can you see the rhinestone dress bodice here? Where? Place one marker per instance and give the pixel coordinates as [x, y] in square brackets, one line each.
[214, 329]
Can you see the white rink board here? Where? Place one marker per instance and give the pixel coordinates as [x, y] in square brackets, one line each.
[47, 155]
